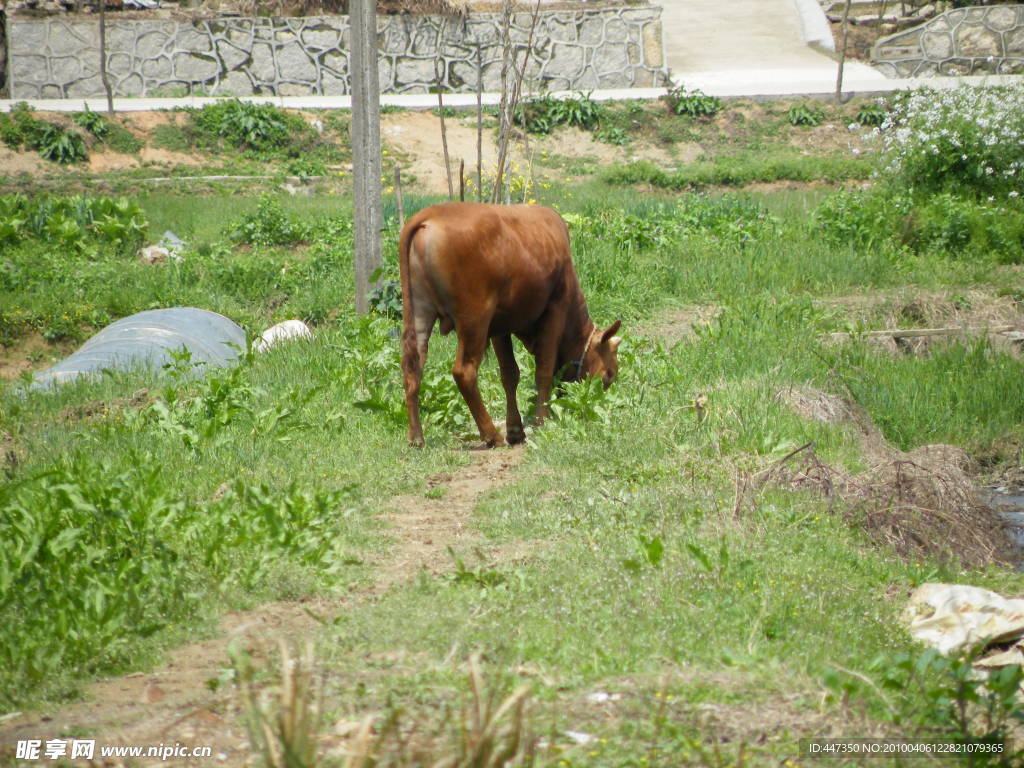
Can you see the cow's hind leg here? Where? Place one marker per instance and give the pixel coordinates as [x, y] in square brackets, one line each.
[468, 356]
[415, 342]
[510, 381]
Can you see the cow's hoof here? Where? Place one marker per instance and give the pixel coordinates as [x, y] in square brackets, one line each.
[516, 435]
[496, 442]
[417, 442]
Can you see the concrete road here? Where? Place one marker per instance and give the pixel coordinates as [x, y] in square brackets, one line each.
[755, 47]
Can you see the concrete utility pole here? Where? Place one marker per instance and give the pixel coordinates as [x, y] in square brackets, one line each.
[366, 164]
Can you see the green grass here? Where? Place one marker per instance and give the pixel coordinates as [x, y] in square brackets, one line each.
[647, 571]
[730, 170]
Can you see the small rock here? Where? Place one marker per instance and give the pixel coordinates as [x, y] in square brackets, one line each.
[579, 737]
[154, 254]
[289, 329]
[601, 697]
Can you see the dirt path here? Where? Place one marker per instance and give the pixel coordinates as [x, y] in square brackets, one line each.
[189, 700]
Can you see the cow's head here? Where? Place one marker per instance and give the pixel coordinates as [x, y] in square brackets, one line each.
[600, 358]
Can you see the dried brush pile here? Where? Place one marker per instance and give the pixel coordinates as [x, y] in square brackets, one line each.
[922, 503]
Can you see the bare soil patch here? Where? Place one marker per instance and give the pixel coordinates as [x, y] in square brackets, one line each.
[922, 503]
[14, 163]
[190, 699]
[31, 353]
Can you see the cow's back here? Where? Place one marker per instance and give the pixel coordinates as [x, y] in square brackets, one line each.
[472, 259]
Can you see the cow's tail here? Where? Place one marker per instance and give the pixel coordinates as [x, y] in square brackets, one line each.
[410, 344]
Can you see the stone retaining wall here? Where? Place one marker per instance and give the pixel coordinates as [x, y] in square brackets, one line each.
[965, 41]
[573, 49]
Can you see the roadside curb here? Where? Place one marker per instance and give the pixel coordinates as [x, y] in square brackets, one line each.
[759, 84]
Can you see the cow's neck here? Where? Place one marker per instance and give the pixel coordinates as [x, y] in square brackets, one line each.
[578, 330]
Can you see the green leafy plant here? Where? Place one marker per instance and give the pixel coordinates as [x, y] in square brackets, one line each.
[543, 114]
[805, 115]
[693, 103]
[386, 296]
[306, 167]
[93, 122]
[244, 124]
[267, 225]
[949, 700]
[20, 129]
[873, 114]
[613, 135]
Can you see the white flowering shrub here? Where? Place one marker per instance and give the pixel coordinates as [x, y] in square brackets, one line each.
[962, 140]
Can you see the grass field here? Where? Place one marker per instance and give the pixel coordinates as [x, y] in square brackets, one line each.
[722, 619]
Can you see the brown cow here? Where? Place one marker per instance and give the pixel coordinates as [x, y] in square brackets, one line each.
[491, 271]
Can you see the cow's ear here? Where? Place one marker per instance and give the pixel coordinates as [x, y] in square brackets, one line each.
[613, 343]
[610, 332]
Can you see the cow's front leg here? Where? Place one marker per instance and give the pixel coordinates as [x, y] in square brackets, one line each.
[510, 381]
[546, 358]
[468, 356]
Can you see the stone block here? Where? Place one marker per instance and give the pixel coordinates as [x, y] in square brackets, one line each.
[393, 37]
[129, 86]
[29, 69]
[51, 92]
[192, 39]
[121, 37]
[236, 83]
[262, 64]
[977, 41]
[65, 68]
[654, 55]
[29, 37]
[482, 32]
[424, 41]
[937, 45]
[587, 81]
[385, 74]
[295, 89]
[334, 85]
[560, 30]
[320, 37]
[295, 64]
[922, 69]
[462, 75]
[611, 59]
[194, 67]
[240, 35]
[119, 64]
[640, 16]
[157, 68]
[1010, 66]
[231, 57]
[556, 83]
[150, 43]
[414, 71]
[1001, 18]
[337, 62]
[1015, 42]
[492, 76]
[87, 86]
[85, 32]
[566, 59]
[616, 31]
[955, 67]
[591, 29]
